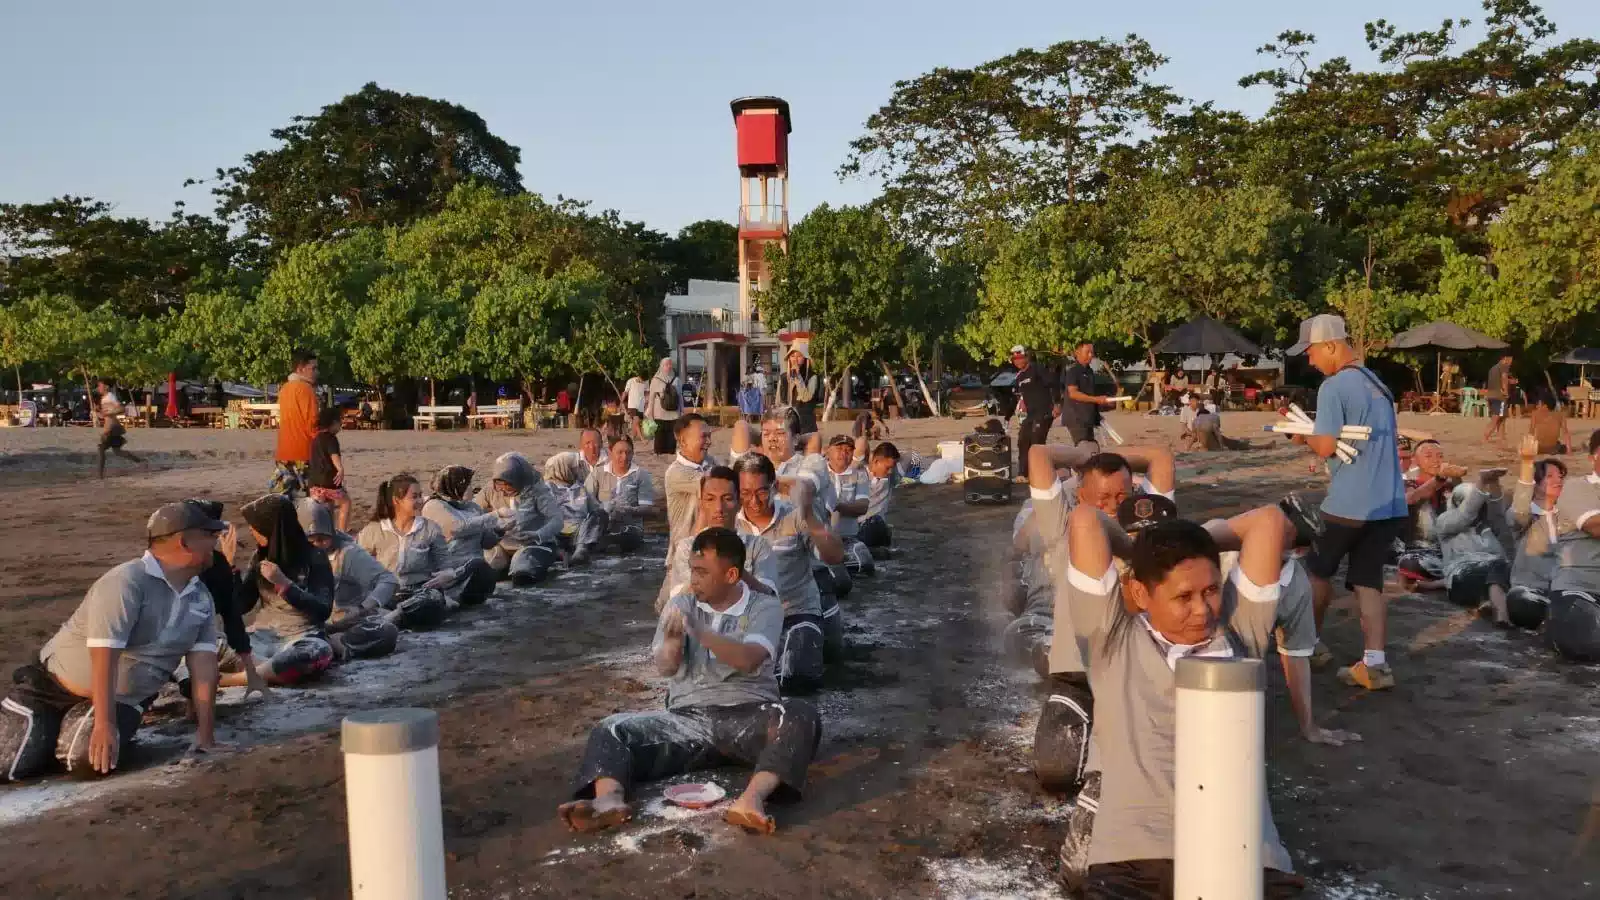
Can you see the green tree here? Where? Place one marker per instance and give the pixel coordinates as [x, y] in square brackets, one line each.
[520, 325]
[75, 247]
[1047, 285]
[1546, 248]
[706, 249]
[374, 158]
[848, 275]
[972, 152]
[65, 338]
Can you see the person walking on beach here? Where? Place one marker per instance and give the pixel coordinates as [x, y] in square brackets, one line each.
[297, 426]
[112, 434]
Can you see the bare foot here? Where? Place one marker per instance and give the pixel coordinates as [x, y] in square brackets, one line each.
[594, 815]
[750, 818]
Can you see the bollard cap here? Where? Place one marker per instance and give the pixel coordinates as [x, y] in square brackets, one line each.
[386, 732]
[1198, 673]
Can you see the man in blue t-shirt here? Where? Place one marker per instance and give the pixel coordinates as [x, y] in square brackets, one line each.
[1365, 509]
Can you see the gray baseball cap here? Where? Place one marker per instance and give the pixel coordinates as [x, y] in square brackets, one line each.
[1315, 330]
[176, 517]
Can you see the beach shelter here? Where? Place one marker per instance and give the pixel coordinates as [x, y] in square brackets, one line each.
[1206, 336]
[1441, 336]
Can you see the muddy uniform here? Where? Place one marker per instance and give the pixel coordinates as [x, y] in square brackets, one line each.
[583, 521]
[625, 498]
[527, 547]
[1473, 556]
[715, 715]
[1120, 839]
[833, 582]
[758, 561]
[131, 608]
[363, 588]
[799, 663]
[852, 485]
[873, 528]
[1573, 629]
[682, 484]
[415, 557]
[1533, 530]
[468, 532]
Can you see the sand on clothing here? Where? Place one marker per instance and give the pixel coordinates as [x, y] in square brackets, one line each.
[1475, 778]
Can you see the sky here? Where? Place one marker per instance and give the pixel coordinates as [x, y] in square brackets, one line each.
[623, 103]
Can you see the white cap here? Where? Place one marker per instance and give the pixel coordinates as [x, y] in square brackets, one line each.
[1019, 349]
[1315, 330]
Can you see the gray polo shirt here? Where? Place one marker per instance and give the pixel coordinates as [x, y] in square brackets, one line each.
[880, 492]
[813, 468]
[1578, 554]
[623, 495]
[467, 529]
[1534, 532]
[792, 550]
[414, 556]
[132, 608]
[853, 484]
[359, 577]
[704, 680]
[1131, 669]
[682, 480]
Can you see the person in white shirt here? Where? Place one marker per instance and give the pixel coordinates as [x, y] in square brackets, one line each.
[633, 398]
[112, 435]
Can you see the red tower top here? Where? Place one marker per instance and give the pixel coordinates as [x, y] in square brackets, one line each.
[763, 127]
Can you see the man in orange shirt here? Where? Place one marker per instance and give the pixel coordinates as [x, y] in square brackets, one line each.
[297, 425]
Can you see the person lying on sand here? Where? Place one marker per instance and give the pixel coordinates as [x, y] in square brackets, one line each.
[80, 703]
[1171, 602]
[716, 643]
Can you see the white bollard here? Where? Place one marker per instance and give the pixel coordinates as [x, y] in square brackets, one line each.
[1221, 779]
[391, 778]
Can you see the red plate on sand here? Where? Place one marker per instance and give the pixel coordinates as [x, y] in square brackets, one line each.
[695, 796]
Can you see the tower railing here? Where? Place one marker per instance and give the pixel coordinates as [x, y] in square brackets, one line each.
[764, 217]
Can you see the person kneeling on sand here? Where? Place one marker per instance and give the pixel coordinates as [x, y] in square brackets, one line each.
[468, 532]
[797, 537]
[413, 548]
[79, 705]
[1573, 629]
[883, 469]
[715, 644]
[1173, 602]
[361, 625]
[290, 586]
[627, 493]
[533, 520]
[851, 484]
[583, 521]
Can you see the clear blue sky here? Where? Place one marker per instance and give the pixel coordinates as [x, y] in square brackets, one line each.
[623, 103]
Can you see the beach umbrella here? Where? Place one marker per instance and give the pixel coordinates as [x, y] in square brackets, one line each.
[1441, 336]
[1583, 358]
[1206, 336]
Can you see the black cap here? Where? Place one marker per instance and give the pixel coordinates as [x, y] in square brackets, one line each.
[1143, 510]
[840, 440]
[177, 517]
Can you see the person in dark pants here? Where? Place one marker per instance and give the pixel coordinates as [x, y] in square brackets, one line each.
[1080, 405]
[716, 644]
[1039, 403]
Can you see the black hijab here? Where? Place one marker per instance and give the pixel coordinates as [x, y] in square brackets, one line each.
[451, 483]
[274, 516]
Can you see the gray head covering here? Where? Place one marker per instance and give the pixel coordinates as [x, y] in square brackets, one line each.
[315, 518]
[515, 470]
[566, 469]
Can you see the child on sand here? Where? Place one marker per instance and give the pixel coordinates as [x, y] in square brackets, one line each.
[327, 467]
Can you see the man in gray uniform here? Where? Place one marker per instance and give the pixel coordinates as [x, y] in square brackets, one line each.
[527, 547]
[1574, 626]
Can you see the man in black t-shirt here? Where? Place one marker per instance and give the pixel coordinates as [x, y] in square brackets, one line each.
[1080, 405]
[1039, 405]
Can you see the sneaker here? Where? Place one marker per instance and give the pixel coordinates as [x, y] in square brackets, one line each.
[1321, 656]
[1307, 519]
[1373, 678]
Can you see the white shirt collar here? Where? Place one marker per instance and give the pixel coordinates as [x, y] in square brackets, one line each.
[416, 525]
[613, 473]
[779, 507]
[737, 609]
[702, 464]
[1173, 652]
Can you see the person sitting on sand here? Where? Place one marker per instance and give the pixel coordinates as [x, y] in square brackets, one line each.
[291, 587]
[80, 703]
[1532, 523]
[779, 444]
[1428, 484]
[851, 484]
[527, 549]
[414, 549]
[222, 583]
[1573, 629]
[1202, 426]
[716, 647]
[468, 531]
[627, 494]
[362, 624]
[583, 520]
[797, 537]
[719, 508]
[681, 481]
[1172, 602]
[883, 472]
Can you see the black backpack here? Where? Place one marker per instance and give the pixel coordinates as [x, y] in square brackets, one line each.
[669, 397]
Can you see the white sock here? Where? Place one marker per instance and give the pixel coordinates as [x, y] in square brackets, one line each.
[1373, 658]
